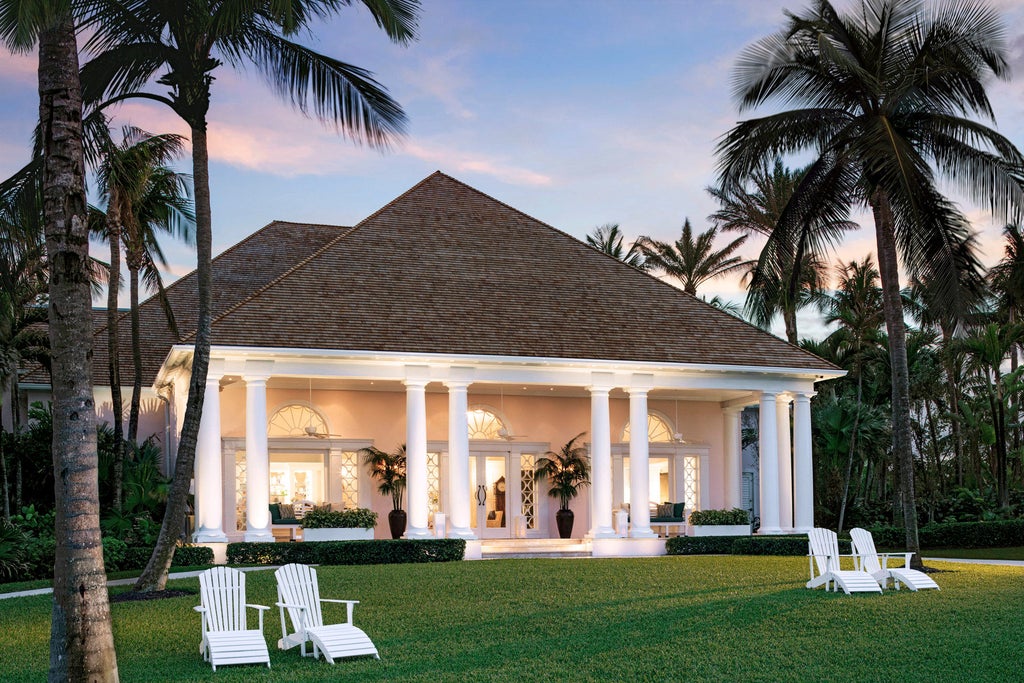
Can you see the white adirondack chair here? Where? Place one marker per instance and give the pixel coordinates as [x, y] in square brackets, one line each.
[227, 639]
[864, 545]
[824, 555]
[298, 594]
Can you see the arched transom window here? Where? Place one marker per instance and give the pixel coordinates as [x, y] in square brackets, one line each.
[658, 430]
[293, 419]
[483, 424]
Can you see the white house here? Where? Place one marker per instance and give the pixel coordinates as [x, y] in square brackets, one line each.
[481, 338]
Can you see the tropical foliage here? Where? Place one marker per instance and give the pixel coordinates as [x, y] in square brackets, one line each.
[567, 470]
[389, 471]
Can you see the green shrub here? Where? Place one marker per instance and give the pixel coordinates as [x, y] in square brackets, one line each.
[184, 556]
[114, 550]
[13, 560]
[699, 545]
[723, 517]
[357, 518]
[995, 534]
[775, 545]
[398, 551]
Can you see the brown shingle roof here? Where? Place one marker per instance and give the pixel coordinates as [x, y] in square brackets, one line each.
[446, 269]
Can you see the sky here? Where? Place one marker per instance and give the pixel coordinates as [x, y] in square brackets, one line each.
[576, 112]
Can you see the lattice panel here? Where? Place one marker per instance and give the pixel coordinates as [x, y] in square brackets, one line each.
[691, 482]
[240, 492]
[528, 488]
[349, 475]
[433, 483]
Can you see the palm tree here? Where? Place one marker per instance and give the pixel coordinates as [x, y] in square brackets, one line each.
[987, 350]
[81, 640]
[692, 260]
[389, 469]
[608, 239]
[567, 471]
[143, 196]
[181, 45]
[786, 277]
[856, 307]
[884, 94]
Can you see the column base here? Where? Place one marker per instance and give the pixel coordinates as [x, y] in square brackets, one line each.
[770, 531]
[463, 533]
[418, 534]
[642, 533]
[802, 530]
[259, 536]
[602, 532]
[209, 536]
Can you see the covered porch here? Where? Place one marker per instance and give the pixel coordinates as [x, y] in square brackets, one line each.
[284, 424]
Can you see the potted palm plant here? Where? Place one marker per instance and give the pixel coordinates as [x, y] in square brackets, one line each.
[567, 471]
[389, 471]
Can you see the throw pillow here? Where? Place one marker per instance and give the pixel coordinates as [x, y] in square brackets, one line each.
[287, 511]
[275, 513]
[678, 509]
[665, 510]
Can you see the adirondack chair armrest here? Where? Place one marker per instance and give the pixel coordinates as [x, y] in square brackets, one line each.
[288, 605]
[348, 603]
[884, 557]
[260, 610]
[202, 612]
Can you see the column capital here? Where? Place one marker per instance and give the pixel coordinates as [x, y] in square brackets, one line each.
[416, 383]
[598, 390]
[768, 396]
[258, 370]
[640, 382]
[733, 410]
[803, 396]
[783, 397]
[454, 384]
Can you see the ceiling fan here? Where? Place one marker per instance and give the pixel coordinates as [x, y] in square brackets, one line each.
[504, 433]
[310, 429]
[677, 437]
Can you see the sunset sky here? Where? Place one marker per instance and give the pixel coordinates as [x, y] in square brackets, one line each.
[577, 112]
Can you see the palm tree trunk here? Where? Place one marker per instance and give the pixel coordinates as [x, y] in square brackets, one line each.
[896, 328]
[3, 477]
[81, 641]
[934, 436]
[113, 355]
[849, 457]
[133, 415]
[999, 414]
[155, 575]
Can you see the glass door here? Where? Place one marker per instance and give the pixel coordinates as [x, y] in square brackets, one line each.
[488, 482]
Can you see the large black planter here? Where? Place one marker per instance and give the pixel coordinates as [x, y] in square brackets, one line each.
[564, 520]
[396, 520]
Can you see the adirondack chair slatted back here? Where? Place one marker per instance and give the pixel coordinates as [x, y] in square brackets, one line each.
[222, 593]
[864, 545]
[297, 585]
[824, 546]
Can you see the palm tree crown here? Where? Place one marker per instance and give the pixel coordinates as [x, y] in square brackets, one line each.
[608, 239]
[692, 259]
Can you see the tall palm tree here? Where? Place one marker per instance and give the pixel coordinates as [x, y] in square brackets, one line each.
[691, 259]
[180, 45]
[790, 276]
[608, 239]
[81, 640]
[885, 93]
[987, 350]
[143, 196]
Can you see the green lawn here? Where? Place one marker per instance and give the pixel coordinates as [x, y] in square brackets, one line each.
[670, 618]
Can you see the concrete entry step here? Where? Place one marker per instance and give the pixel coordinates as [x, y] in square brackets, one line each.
[534, 547]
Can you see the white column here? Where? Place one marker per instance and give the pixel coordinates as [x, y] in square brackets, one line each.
[639, 471]
[733, 442]
[416, 458]
[785, 462]
[601, 463]
[768, 459]
[458, 461]
[209, 481]
[803, 469]
[257, 461]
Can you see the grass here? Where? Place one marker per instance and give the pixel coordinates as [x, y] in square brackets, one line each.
[17, 586]
[669, 618]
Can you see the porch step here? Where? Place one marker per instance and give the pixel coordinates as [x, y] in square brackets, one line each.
[534, 547]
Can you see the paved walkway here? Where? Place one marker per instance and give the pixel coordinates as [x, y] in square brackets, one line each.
[1004, 563]
[125, 582]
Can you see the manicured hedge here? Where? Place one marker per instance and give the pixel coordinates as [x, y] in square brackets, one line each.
[184, 556]
[996, 534]
[397, 551]
[733, 517]
[699, 545]
[742, 545]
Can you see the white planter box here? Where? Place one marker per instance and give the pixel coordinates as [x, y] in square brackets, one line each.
[720, 530]
[336, 534]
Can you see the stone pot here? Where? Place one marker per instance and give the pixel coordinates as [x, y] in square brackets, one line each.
[396, 520]
[564, 520]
